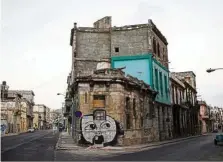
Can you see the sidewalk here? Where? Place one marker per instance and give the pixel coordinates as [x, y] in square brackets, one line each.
[11, 134]
[65, 142]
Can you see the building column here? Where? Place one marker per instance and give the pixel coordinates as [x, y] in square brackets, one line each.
[159, 121]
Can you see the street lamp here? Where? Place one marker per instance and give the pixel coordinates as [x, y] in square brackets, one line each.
[61, 94]
[211, 70]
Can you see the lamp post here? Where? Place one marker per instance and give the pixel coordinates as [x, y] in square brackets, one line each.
[212, 70]
[61, 94]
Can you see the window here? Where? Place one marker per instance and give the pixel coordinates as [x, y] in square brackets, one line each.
[127, 106]
[141, 122]
[154, 45]
[158, 49]
[173, 95]
[152, 110]
[161, 83]
[99, 101]
[164, 54]
[127, 103]
[156, 79]
[116, 49]
[85, 95]
[163, 113]
[128, 124]
[166, 86]
[134, 107]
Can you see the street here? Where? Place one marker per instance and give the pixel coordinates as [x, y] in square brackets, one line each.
[40, 146]
[201, 148]
[37, 146]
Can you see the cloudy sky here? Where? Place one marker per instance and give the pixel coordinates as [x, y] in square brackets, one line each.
[36, 55]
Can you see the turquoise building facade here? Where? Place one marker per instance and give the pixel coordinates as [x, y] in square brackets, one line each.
[148, 69]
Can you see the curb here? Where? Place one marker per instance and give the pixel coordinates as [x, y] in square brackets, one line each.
[123, 148]
[13, 147]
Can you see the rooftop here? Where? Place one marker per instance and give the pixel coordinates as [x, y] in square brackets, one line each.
[150, 24]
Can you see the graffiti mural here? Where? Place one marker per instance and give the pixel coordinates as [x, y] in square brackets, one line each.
[99, 128]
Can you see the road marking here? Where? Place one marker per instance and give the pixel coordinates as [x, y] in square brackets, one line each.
[15, 146]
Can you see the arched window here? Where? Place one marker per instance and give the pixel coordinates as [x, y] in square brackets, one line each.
[154, 45]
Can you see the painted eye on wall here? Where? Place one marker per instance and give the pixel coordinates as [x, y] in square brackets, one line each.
[106, 125]
[92, 126]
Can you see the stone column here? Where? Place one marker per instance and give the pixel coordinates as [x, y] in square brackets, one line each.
[166, 126]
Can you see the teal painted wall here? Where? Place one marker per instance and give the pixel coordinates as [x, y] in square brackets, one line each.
[148, 66]
[161, 82]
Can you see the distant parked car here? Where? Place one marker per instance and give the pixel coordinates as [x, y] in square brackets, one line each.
[218, 139]
[215, 131]
[31, 130]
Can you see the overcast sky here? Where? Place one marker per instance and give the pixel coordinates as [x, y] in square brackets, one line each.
[36, 54]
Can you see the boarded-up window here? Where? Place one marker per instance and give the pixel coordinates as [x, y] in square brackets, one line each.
[99, 101]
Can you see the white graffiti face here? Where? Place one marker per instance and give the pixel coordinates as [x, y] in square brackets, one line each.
[98, 130]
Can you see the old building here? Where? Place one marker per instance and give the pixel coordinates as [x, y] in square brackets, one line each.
[47, 117]
[184, 103]
[40, 121]
[204, 116]
[190, 114]
[16, 109]
[141, 45]
[12, 114]
[117, 109]
[178, 107]
[54, 114]
[28, 96]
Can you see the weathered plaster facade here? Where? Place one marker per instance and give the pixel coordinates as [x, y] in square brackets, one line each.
[28, 101]
[12, 114]
[40, 115]
[204, 117]
[184, 103]
[127, 101]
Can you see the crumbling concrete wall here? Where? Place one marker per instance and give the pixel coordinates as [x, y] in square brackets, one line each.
[91, 47]
[129, 42]
[102, 41]
[143, 127]
[105, 22]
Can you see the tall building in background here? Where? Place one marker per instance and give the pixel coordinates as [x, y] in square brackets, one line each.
[40, 116]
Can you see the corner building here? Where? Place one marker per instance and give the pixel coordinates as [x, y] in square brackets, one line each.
[141, 50]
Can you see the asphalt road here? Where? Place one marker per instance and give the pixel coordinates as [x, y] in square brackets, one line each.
[201, 148]
[37, 146]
